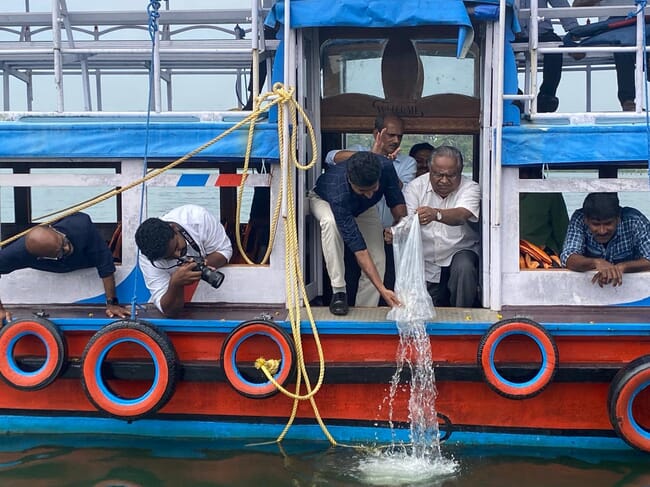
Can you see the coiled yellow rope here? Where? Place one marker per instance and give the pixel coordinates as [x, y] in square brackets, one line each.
[295, 287]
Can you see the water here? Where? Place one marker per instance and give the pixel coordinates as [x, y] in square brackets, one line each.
[81, 462]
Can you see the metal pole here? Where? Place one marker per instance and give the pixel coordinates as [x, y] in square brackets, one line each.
[156, 73]
[495, 244]
[638, 70]
[533, 42]
[255, 30]
[56, 51]
[288, 65]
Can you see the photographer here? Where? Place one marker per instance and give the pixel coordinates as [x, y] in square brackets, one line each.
[184, 246]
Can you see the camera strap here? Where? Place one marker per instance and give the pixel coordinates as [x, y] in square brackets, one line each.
[188, 238]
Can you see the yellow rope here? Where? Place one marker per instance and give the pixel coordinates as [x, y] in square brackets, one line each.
[296, 291]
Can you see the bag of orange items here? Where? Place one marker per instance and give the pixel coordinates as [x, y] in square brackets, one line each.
[533, 257]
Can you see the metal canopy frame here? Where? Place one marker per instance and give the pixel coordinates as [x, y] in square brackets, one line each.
[85, 44]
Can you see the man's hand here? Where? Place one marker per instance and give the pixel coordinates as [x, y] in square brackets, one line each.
[426, 214]
[5, 316]
[381, 146]
[185, 275]
[388, 236]
[390, 297]
[607, 273]
[113, 310]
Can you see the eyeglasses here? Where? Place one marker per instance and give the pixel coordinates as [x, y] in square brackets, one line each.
[65, 249]
[440, 175]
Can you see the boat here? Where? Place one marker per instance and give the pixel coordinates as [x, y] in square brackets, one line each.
[548, 360]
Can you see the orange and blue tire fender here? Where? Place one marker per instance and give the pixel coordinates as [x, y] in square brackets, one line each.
[55, 353]
[159, 349]
[626, 386]
[541, 338]
[245, 331]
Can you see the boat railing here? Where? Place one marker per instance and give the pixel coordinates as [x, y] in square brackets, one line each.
[91, 44]
[596, 58]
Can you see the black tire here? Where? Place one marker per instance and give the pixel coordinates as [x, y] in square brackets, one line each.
[164, 360]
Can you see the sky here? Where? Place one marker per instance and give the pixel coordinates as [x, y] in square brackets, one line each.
[219, 94]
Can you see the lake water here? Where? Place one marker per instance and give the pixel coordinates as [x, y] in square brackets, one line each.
[76, 462]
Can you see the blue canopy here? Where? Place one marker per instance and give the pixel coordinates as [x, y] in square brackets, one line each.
[378, 13]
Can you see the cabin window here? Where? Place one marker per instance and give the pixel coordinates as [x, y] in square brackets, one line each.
[46, 200]
[201, 185]
[443, 72]
[355, 66]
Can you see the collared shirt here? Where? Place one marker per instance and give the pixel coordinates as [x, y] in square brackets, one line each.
[205, 230]
[440, 242]
[89, 250]
[333, 186]
[405, 167]
[631, 241]
[546, 25]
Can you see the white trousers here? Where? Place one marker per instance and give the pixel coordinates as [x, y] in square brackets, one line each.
[373, 233]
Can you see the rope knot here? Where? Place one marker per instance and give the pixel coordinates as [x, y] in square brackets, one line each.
[282, 93]
[272, 365]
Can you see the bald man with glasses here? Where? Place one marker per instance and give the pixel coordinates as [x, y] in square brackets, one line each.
[68, 245]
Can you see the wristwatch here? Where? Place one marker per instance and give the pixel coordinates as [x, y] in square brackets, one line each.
[112, 301]
[438, 215]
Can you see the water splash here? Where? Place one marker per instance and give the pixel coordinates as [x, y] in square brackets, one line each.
[421, 459]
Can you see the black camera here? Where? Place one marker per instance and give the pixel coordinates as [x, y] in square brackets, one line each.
[212, 277]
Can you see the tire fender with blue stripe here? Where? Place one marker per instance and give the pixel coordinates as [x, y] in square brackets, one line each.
[159, 349]
[257, 387]
[627, 384]
[541, 338]
[55, 352]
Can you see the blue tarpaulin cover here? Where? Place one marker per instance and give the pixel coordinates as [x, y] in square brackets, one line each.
[100, 139]
[378, 13]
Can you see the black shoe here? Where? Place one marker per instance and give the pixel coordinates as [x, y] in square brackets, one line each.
[339, 304]
[547, 103]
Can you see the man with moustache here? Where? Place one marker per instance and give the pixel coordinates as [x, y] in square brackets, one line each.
[447, 204]
[606, 238]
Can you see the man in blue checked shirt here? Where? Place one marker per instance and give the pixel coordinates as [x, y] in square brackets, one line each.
[343, 203]
[606, 238]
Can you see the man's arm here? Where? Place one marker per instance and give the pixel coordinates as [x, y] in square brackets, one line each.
[5, 315]
[113, 310]
[342, 155]
[173, 301]
[450, 216]
[398, 213]
[216, 260]
[638, 265]
[368, 266]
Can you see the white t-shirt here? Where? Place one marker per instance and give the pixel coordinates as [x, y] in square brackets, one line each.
[440, 241]
[207, 232]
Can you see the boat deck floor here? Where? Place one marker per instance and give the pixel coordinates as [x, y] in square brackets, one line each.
[243, 312]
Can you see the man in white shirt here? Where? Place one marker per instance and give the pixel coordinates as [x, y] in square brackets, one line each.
[186, 231]
[387, 133]
[447, 203]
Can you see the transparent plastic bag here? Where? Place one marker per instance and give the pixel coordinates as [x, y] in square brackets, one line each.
[410, 284]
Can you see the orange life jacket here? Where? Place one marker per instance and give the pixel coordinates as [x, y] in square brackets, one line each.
[533, 257]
